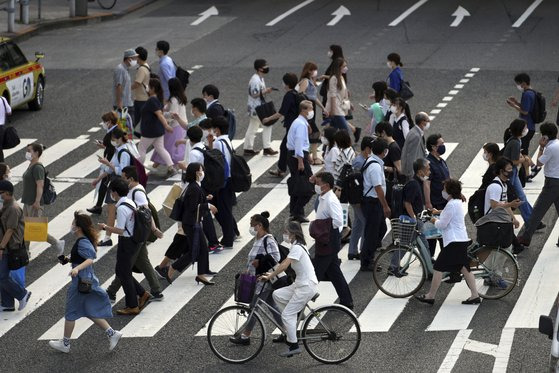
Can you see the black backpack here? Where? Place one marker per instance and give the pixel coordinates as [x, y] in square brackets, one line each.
[538, 112]
[232, 120]
[476, 203]
[354, 184]
[142, 223]
[241, 178]
[49, 192]
[154, 215]
[214, 168]
[182, 75]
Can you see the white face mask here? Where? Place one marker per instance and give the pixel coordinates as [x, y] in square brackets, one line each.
[393, 108]
[485, 157]
[205, 133]
[28, 156]
[310, 115]
[104, 125]
[324, 140]
[344, 70]
[318, 189]
[114, 143]
[388, 64]
[314, 74]
[330, 53]
[201, 177]
[525, 131]
[133, 63]
[427, 125]
[252, 231]
[286, 238]
[445, 195]
[519, 87]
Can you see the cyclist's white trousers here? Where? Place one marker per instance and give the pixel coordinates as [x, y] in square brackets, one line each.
[290, 300]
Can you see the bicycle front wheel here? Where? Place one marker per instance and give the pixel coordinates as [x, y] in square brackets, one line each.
[331, 334]
[399, 271]
[106, 4]
[229, 323]
[495, 271]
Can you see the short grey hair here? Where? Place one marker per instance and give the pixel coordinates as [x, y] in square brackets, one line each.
[420, 164]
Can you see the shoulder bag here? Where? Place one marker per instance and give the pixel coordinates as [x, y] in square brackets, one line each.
[17, 257]
[84, 285]
[265, 110]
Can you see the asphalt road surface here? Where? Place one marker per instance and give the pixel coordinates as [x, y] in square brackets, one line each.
[470, 68]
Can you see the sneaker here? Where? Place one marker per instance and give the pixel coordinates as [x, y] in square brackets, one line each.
[23, 302]
[105, 242]
[215, 249]
[398, 273]
[270, 151]
[500, 283]
[240, 340]
[113, 340]
[60, 346]
[160, 271]
[354, 256]
[97, 210]
[171, 172]
[112, 298]
[279, 339]
[7, 309]
[60, 247]
[291, 351]
[156, 296]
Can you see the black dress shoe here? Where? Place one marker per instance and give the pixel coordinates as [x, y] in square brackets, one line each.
[350, 306]
[522, 241]
[540, 226]
[240, 341]
[422, 299]
[97, 210]
[472, 301]
[354, 256]
[108, 242]
[357, 134]
[518, 249]
[279, 339]
[367, 269]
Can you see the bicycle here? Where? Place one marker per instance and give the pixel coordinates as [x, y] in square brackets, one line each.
[331, 334]
[403, 266]
[106, 4]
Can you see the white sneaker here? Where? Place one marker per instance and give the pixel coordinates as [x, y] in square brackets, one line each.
[23, 302]
[60, 247]
[238, 238]
[59, 345]
[113, 341]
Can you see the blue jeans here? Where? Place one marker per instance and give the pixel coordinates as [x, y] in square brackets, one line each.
[339, 122]
[357, 229]
[525, 208]
[9, 289]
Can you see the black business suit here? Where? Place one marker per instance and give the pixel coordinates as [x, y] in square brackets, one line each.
[194, 196]
[107, 154]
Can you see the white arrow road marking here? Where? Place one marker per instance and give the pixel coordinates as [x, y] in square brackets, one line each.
[205, 15]
[338, 15]
[527, 13]
[288, 13]
[460, 13]
[407, 13]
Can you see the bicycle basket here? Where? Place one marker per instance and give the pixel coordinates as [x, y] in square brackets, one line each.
[244, 287]
[402, 233]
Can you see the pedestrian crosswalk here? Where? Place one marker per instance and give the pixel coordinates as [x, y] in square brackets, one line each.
[379, 315]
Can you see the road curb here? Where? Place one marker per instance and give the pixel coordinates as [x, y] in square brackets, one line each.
[60, 23]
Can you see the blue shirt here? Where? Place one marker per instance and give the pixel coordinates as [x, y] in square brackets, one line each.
[373, 176]
[527, 104]
[439, 173]
[395, 79]
[298, 137]
[358, 162]
[167, 70]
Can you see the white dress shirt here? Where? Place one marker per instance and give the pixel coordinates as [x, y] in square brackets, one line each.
[550, 159]
[196, 156]
[125, 216]
[298, 137]
[329, 206]
[451, 223]
[373, 176]
[219, 144]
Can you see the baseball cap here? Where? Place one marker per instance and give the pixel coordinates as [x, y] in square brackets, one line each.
[130, 53]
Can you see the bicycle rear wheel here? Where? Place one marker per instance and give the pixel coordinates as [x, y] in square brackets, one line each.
[106, 4]
[231, 322]
[402, 271]
[496, 272]
[331, 334]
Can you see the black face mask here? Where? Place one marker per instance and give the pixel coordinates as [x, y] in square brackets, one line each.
[265, 70]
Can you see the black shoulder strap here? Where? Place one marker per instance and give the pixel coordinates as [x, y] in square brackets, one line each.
[367, 164]
[124, 150]
[227, 145]
[200, 150]
[493, 182]
[139, 190]
[145, 67]
[266, 244]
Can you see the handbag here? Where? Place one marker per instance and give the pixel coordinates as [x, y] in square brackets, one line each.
[265, 110]
[245, 285]
[177, 210]
[405, 91]
[17, 258]
[84, 285]
[35, 229]
[11, 138]
[173, 195]
[346, 105]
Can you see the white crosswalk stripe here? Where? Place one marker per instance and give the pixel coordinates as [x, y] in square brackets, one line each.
[379, 315]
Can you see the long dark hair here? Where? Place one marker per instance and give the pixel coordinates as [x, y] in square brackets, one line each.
[155, 84]
[85, 223]
[262, 219]
[294, 228]
[337, 51]
[337, 71]
[177, 91]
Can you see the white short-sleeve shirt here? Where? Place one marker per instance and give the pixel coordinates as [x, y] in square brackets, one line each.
[140, 197]
[125, 216]
[302, 265]
[495, 192]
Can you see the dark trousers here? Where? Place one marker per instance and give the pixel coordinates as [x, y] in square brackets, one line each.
[297, 202]
[103, 187]
[125, 253]
[186, 259]
[375, 229]
[548, 196]
[224, 216]
[327, 268]
[525, 142]
[138, 105]
[282, 163]
[209, 230]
